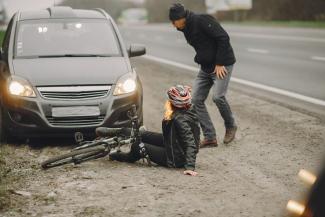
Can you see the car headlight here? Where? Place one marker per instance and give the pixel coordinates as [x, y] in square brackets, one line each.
[126, 84]
[20, 87]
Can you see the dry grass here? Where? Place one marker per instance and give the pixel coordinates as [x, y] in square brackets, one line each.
[4, 196]
[2, 35]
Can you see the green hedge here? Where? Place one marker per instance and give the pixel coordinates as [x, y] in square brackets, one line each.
[2, 35]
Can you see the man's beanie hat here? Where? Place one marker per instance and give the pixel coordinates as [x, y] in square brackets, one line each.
[177, 11]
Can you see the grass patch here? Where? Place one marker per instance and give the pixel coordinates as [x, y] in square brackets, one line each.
[2, 35]
[301, 24]
[4, 195]
[4, 170]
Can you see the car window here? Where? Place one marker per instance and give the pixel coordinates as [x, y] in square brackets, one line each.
[66, 37]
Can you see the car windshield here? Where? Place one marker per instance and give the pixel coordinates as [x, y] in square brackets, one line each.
[61, 38]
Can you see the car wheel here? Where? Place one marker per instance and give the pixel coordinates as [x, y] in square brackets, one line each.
[140, 115]
[141, 119]
[3, 136]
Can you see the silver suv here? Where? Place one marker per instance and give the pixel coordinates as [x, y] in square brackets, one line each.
[65, 70]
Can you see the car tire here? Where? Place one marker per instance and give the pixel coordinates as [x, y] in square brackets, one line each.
[141, 119]
[3, 134]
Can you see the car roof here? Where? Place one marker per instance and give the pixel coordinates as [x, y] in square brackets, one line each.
[60, 12]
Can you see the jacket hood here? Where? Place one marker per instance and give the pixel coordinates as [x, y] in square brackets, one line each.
[189, 20]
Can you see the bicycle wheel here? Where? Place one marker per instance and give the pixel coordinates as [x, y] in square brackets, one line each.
[76, 157]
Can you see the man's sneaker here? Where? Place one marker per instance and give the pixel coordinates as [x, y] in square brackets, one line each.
[230, 134]
[208, 143]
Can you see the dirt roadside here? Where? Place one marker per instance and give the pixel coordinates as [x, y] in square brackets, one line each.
[252, 177]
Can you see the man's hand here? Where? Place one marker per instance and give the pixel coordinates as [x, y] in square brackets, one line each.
[220, 71]
[190, 173]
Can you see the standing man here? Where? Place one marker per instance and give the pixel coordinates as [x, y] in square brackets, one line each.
[216, 58]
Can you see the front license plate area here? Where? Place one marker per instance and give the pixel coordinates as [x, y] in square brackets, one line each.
[75, 111]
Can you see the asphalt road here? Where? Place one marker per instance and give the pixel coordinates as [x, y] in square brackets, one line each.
[254, 176]
[290, 59]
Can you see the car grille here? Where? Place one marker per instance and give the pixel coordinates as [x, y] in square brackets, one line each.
[76, 121]
[74, 92]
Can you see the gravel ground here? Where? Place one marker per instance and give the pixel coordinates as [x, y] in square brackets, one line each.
[254, 176]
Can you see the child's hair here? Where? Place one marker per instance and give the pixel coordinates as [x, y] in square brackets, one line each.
[169, 110]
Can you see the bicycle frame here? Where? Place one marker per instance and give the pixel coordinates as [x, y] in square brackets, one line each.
[100, 147]
[116, 141]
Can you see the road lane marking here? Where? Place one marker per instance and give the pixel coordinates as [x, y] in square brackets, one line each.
[318, 58]
[172, 63]
[244, 82]
[276, 37]
[243, 34]
[260, 51]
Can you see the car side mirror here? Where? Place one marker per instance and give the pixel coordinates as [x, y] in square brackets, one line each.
[136, 50]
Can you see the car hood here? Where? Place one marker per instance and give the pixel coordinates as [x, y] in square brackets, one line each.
[71, 71]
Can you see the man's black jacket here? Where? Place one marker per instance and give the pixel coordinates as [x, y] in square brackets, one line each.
[210, 41]
[181, 139]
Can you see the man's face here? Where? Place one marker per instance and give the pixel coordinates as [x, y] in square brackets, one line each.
[179, 24]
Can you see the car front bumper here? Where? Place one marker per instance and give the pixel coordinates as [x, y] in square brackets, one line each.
[33, 117]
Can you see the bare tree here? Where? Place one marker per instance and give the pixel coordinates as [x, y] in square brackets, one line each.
[262, 9]
[158, 9]
[113, 7]
[280, 10]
